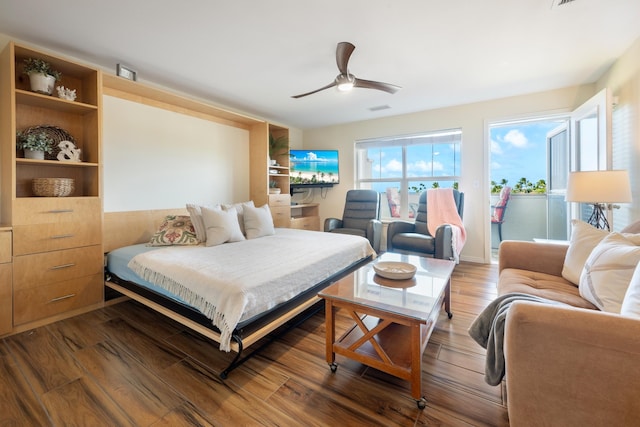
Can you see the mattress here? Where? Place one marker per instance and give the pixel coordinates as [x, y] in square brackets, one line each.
[117, 264]
[234, 282]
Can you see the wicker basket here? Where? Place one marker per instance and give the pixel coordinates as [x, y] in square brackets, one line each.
[55, 133]
[53, 187]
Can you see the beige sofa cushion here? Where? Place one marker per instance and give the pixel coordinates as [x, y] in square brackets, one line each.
[541, 284]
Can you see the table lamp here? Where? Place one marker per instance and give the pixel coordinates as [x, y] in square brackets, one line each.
[601, 188]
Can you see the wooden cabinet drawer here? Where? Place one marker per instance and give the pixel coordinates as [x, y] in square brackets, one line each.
[45, 301]
[54, 210]
[306, 223]
[5, 246]
[6, 310]
[35, 270]
[279, 200]
[29, 239]
[281, 216]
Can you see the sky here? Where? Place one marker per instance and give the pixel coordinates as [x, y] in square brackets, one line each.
[519, 151]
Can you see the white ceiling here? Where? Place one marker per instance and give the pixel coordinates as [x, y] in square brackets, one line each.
[252, 55]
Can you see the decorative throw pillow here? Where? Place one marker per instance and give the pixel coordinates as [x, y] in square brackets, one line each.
[175, 230]
[258, 222]
[222, 226]
[239, 207]
[198, 223]
[631, 302]
[608, 271]
[584, 238]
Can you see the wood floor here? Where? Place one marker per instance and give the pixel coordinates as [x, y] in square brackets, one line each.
[125, 365]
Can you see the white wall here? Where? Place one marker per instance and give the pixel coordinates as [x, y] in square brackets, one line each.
[623, 79]
[158, 159]
[473, 119]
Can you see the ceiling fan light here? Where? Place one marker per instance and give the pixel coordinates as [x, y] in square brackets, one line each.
[345, 82]
[345, 86]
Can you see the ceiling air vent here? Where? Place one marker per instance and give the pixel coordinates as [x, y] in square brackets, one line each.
[556, 3]
[379, 107]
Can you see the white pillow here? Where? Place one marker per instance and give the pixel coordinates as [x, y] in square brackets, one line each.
[608, 271]
[631, 302]
[258, 222]
[198, 223]
[222, 226]
[239, 207]
[584, 238]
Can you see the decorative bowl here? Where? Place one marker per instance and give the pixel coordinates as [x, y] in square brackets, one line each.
[53, 187]
[395, 270]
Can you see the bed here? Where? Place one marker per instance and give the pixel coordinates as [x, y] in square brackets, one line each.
[233, 293]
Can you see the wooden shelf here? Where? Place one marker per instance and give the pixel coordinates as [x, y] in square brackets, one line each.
[56, 163]
[46, 101]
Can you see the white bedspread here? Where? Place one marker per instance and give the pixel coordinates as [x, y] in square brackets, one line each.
[233, 282]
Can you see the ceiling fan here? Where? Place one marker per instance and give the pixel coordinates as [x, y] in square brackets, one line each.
[345, 81]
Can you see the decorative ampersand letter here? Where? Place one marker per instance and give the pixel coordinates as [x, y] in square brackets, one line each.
[68, 152]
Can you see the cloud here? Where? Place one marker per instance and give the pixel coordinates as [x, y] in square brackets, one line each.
[495, 147]
[424, 168]
[393, 165]
[516, 138]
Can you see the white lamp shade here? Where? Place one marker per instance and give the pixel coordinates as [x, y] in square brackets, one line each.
[599, 187]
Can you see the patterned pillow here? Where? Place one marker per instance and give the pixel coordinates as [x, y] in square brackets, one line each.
[175, 230]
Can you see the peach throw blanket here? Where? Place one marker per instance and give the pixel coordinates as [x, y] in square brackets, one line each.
[441, 209]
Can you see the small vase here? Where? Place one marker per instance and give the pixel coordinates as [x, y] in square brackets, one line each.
[274, 190]
[34, 155]
[42, 83]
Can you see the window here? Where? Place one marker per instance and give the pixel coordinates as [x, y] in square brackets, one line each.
[400, 168]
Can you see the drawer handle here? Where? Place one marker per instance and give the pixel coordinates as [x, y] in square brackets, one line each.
[60, 211]
[62, 236]
[62, 298]
[58, 267]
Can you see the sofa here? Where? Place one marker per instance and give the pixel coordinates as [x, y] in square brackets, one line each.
[570, 364]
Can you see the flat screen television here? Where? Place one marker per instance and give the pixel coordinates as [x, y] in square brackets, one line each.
[317, 168]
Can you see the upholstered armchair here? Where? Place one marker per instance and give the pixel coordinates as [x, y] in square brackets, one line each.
[414, 238]
[361, 217]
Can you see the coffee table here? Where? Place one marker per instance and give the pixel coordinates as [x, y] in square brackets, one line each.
[393, 318]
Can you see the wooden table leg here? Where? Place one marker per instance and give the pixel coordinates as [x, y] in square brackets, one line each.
[416, 366]
[330, 317]
[447, 299]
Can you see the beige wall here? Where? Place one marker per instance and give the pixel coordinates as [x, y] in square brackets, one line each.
[473, 119]
[159, 159]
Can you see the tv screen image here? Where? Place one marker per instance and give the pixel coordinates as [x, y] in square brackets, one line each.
[312, 167]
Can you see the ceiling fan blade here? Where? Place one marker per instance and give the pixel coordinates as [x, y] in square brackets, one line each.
[332, 84]
[368, 84]
[343, 53]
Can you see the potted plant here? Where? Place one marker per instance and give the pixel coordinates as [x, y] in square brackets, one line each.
[41, 76]
[277, 147]
[273, 187]
[34, 144]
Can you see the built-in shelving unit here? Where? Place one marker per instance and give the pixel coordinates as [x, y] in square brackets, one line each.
[56, 242]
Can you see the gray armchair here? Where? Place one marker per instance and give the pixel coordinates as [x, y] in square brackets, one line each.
[413, 238]
[361, 217]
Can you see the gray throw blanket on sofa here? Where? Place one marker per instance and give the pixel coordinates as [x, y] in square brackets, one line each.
[488, 331]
